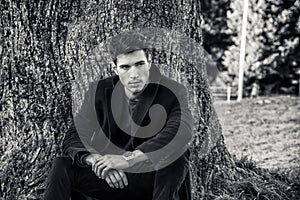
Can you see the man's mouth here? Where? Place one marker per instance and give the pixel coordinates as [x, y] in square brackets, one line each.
[134, 83]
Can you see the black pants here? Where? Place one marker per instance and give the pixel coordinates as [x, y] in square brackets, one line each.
[164, 184]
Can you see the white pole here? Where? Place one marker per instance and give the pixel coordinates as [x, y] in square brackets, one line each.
[242, 51]
[228, 93]
[299, 86]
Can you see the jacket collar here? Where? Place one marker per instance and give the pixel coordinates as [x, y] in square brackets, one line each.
[145, 100]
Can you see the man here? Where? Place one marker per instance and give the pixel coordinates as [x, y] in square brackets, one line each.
[130, 137]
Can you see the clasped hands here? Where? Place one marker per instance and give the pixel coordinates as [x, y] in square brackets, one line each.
[109, 167]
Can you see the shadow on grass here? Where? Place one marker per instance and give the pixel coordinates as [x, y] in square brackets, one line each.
[257, 183]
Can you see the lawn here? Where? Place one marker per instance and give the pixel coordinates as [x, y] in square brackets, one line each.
[266, 129]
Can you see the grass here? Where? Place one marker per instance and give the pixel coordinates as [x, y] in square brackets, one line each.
[263, 134]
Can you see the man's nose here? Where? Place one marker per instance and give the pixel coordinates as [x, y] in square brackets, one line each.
[134, 72]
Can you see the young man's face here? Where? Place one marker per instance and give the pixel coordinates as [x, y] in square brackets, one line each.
[133, 70]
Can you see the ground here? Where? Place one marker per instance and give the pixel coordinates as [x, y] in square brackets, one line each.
[266, 129]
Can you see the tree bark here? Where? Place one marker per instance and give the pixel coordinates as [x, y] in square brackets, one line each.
[45, 45]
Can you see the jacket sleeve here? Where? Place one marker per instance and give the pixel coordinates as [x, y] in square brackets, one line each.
[77, 140]
[176, 134]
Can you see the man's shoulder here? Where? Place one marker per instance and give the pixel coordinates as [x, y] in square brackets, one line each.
[99, 86]
[107, 80]
[104, 82]
[172, 84]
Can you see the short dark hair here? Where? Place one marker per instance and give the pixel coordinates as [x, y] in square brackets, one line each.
[127, 42]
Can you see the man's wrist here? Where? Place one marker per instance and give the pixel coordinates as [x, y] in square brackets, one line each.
[134, 157]
[80, 158]
[90, 159]
[140, 156]
[129, 156]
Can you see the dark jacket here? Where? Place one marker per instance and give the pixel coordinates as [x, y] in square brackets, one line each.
[98, 125]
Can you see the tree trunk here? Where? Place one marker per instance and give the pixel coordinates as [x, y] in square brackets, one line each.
[45, 45]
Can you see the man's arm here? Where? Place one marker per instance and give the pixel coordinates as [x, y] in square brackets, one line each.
[73, 146]
[139, 157]
[179, 125]
[101, 165]
[77, 140]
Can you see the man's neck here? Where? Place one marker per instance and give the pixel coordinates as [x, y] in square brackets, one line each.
[131, 95]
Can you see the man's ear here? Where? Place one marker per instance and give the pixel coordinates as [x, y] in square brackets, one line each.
[114, 67]
[115, 70]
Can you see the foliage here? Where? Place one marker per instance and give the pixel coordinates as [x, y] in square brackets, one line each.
[272, 49]
[280, 56]
[214, 28]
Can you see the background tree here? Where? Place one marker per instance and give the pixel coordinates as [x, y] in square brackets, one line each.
[215, 32]
[272, 43]
[46, 44]
[280, 55]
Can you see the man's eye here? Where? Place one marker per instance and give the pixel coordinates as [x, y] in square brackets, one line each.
[140, 64]
[124, 66]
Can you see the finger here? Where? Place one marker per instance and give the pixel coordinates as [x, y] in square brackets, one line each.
[105, 170]
[118, 178]
[113, 179]
[98, 169]
[109, 181]
[102, 161]
[96, 164]
[123, 176]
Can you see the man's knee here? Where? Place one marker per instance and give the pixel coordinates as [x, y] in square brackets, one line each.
[169, 180]
[60, 179]
[62, 162]
[181, 165]
[61, 166]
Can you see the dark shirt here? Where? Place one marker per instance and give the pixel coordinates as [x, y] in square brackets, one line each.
[129, 122]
